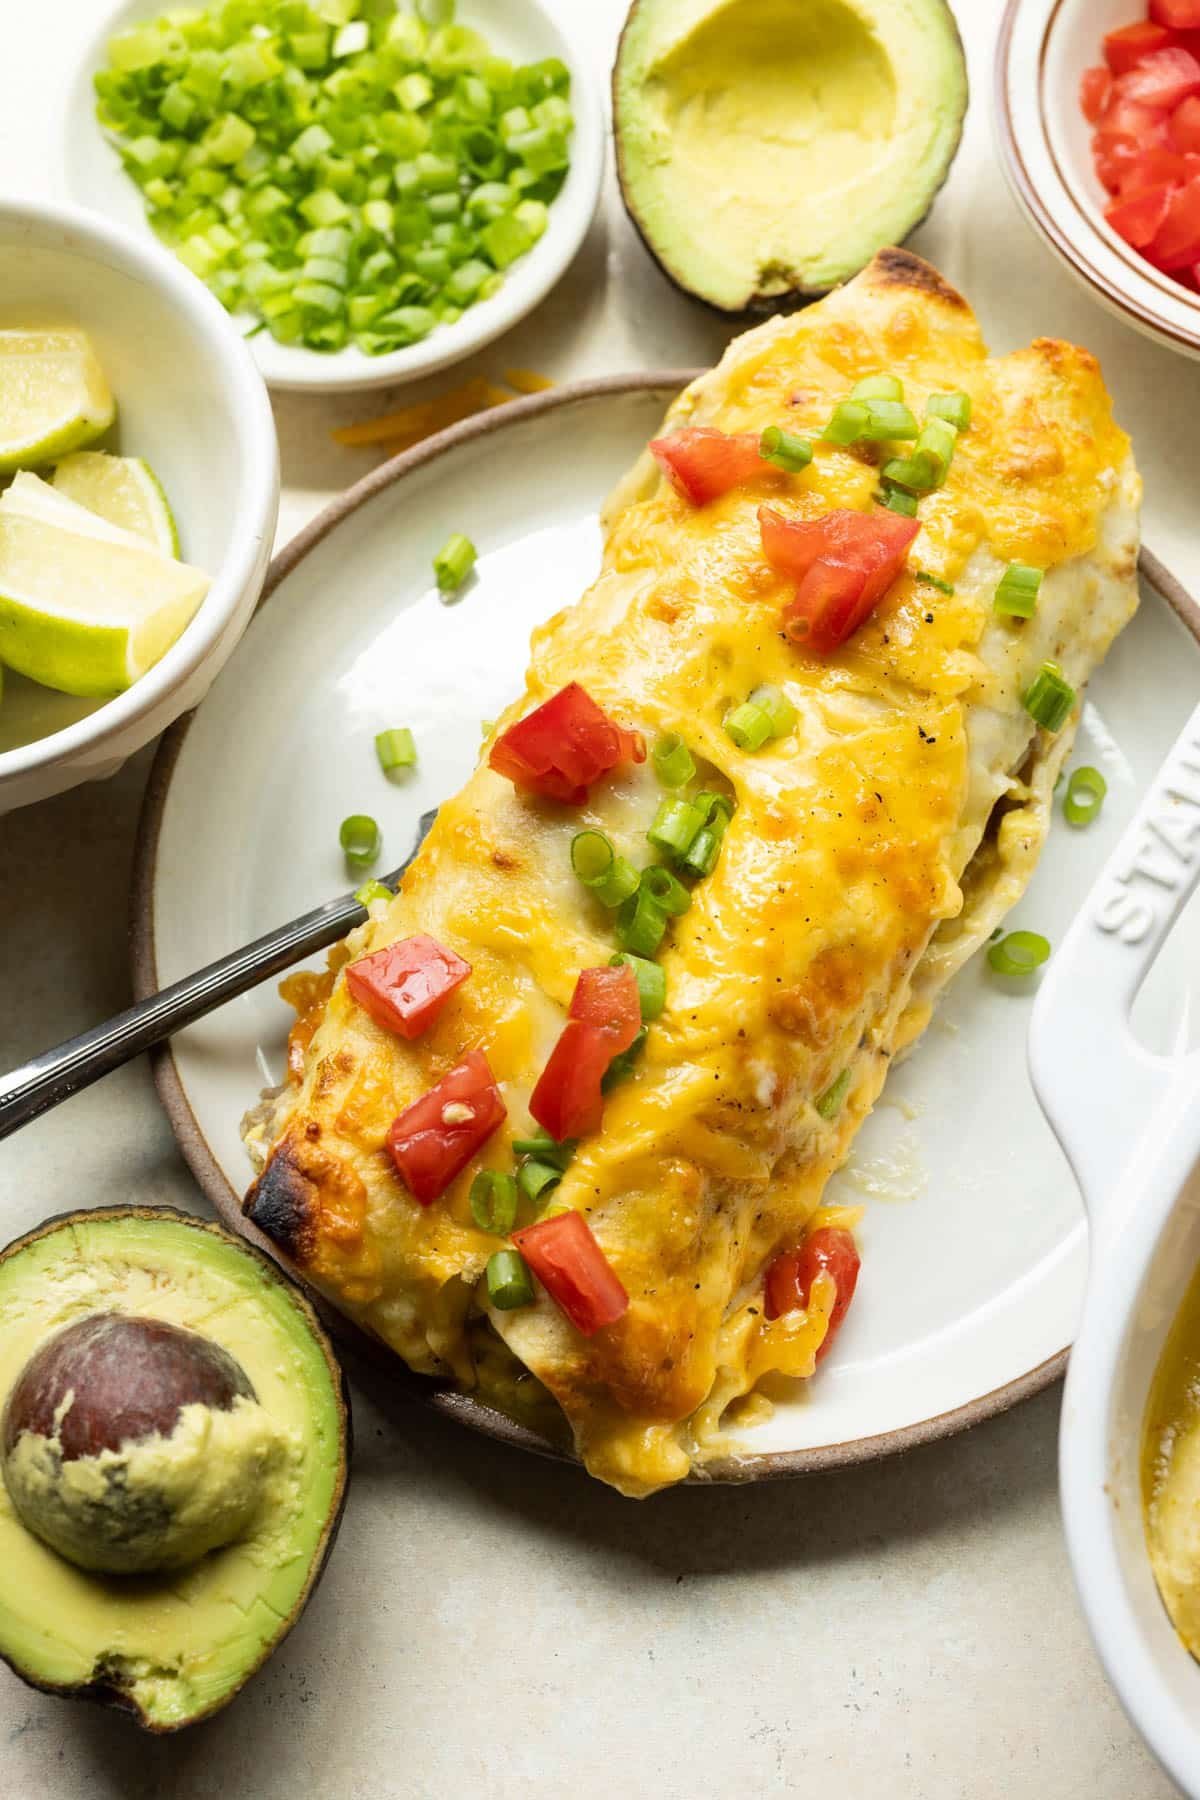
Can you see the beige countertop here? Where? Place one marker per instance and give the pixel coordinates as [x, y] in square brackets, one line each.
[501, 1625]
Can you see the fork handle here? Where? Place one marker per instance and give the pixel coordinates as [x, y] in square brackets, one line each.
[56, 1074]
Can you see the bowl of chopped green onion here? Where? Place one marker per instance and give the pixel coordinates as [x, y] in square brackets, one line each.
[374, 189]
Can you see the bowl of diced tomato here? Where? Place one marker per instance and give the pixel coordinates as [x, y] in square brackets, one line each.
[1098, 115]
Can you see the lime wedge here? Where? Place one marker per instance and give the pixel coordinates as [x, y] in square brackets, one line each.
[53, 396]
[85, 606]
[122, 489]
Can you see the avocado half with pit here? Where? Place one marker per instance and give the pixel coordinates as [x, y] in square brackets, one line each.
[766, 149]
[173, 1446]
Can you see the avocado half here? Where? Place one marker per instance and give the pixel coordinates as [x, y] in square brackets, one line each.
[174, 1646]
[766, 149]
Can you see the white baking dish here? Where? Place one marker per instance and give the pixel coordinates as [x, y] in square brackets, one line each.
[1129, 1121]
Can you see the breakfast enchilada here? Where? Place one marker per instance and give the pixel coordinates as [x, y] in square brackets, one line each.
[789, 762]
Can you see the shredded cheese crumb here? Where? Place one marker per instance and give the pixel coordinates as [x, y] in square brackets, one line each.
[398, 431]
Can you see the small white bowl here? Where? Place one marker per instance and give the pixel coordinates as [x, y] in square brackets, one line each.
[521, 29]
[1045, 148]
[189, 400]
[1129, 1120]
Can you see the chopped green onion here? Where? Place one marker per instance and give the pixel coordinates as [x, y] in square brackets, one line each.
[704, 849]
[373, 890]
[916, 473]
[1084, 796]
[494, 1201]
[454, 562]
[622, 1066]
[778, 708]
[505, 239]
[533, 1178]
[509, 1284]
[1017, 592]
[621, 881]
[592, 856]
[897, 501]
[266, 117]
[1049, 697]
[848, 422]
[351, 39]
[360, 841]
[955, 408]
[933, 581]
[718, 809]
[701, 855]
[667, 893]
[674, 826]
[870, 421]
[829, 1104]
[651, 981]
[609, 876]
[935, 446]
[766, 715]
[878, 387]
[396, 749]
[887, 420]
[544, 1148]
[673, 762]
[785, 449]
[641, 923]
[1020, 953]
[748, 725]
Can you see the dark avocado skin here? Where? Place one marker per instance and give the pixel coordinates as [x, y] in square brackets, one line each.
[755, 303]
[110, 1694]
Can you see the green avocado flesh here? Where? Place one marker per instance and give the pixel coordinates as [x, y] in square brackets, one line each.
[769, 148]
[171, 1647]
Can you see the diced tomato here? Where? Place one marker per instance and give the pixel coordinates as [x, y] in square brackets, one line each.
[1095, 87]
[703, 464]
[1115, 157]
[844, 564]
[405, 985]
[1178, 15]
[1139, 217]
[1183, 127]
[435, 1138]
[1123, 118]
[829, 1251]
[1162, 79]
[563, 1253]
[792, 545]
[604, 1017]
[1126, 47]
[1154, 168]
[1176, 243]
[563, 746]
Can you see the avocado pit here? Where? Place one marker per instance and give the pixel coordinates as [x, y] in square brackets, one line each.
[132, 1446]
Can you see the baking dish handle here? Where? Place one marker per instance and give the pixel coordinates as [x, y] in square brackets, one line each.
[1097, 1085]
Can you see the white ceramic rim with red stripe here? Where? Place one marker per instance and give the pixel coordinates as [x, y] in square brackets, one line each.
[1045, 148]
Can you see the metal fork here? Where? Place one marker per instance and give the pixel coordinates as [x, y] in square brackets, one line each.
[56, 1074]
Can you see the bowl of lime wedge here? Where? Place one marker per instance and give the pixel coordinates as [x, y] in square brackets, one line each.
[139, 484]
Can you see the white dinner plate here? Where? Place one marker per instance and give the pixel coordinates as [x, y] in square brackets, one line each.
[91, 174]
[973, 1239]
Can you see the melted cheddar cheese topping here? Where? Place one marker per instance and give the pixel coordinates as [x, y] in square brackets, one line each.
[870, 852]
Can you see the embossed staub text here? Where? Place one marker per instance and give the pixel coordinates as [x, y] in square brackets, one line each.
[1167, 849]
